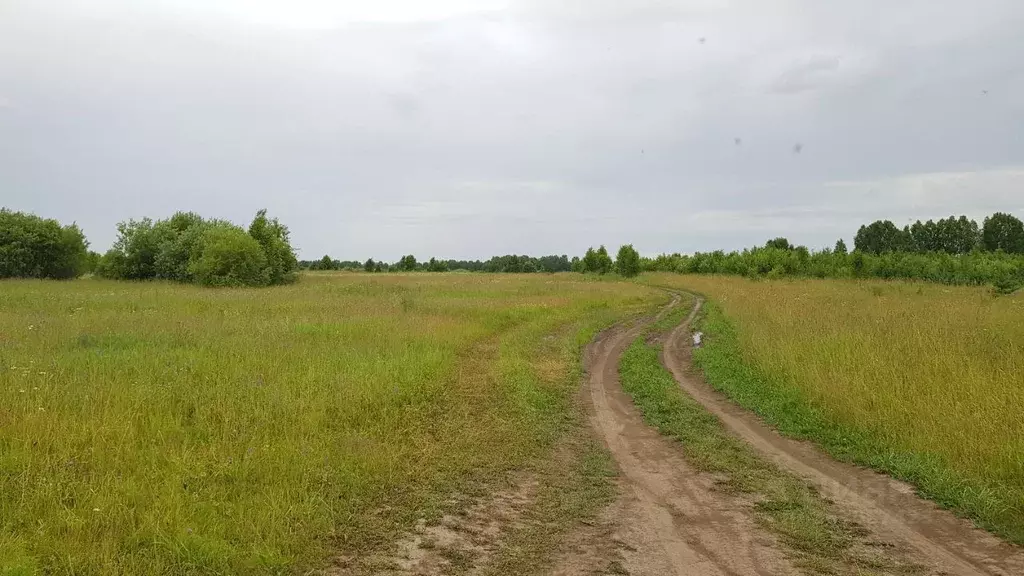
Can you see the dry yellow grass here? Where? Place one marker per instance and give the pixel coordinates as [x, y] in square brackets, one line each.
[922, 380]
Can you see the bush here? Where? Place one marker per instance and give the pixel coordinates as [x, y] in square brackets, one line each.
[230, 257]
[187, 248]
[1007, 285]
[33, 247]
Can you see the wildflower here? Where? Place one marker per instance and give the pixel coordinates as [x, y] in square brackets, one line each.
[95, 509]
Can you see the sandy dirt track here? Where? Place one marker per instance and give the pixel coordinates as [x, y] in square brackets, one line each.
[669, 520]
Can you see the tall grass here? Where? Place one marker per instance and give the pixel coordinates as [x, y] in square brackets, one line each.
[923, 381]
[168, 429]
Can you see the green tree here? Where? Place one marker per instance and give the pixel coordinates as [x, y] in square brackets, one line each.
[33, 247]
[435, 265]
[780, 243]
[949, 235]
[603, 261]
[133, 256]
[840, 247]
[407, 263]
[179, 243]
[272, 237]
[627, 262]
[591, 262]
[1002, 231]
[882, 236]
[326, 263]
[370, 266]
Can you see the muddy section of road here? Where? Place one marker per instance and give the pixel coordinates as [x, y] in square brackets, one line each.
[669, 519]
[888, 508]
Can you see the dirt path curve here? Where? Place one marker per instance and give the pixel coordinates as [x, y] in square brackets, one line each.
[669, 519]
[889, 508]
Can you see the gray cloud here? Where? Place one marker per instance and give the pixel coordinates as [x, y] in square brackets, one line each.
[464, 129]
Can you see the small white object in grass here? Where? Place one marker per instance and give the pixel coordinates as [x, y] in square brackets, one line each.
[697, 337]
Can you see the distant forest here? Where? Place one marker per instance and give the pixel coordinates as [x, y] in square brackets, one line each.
[954, 250]
[189, 248]
[509, 263]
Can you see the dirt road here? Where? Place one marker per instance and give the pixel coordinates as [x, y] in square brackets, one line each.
[669, 519]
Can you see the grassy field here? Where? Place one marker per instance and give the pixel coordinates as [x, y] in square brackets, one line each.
[156, 429]
[919, 380]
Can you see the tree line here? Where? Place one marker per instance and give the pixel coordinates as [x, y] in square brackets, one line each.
[998, 232]
[509, 263]
[950, 251]
[212, 252]
[594, 261]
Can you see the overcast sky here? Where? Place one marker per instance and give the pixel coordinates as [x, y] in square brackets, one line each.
[459, 128]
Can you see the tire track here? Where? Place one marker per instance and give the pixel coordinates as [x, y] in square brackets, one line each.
[669, 519]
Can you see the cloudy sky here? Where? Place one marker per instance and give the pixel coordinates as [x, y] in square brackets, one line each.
[466, 128]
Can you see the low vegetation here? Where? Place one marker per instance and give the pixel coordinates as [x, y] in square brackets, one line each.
[920, 381]
[162, 428]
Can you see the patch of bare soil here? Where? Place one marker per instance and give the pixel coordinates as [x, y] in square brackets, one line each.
[889, 509]
[460, 543]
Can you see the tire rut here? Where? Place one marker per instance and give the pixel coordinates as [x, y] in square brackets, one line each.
[888, 508]
[669, 519]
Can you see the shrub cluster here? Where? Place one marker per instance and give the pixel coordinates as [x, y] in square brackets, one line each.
[33, 247]
[1005, 271]
[189, 248]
